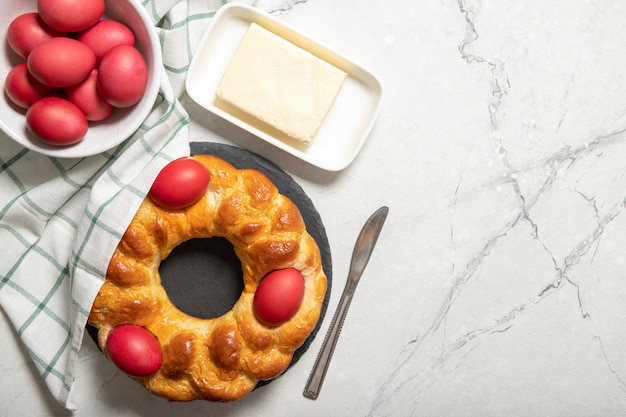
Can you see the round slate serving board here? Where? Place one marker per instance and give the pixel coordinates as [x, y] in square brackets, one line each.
[203, 277]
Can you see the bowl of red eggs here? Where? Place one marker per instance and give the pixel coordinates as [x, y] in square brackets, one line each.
[80, 77]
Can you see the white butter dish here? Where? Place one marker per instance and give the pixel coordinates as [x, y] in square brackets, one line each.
[345, 128]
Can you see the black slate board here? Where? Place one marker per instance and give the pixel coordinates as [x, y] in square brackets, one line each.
[203, 276]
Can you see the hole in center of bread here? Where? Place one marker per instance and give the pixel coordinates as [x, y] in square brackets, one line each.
[203, 277]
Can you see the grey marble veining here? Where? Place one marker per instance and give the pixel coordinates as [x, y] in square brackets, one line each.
[498, 285]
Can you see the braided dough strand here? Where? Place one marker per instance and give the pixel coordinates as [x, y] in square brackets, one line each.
[219, 359]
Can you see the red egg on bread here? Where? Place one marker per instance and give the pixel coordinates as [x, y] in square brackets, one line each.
[278, 296]
[180, 183]
[134, 350]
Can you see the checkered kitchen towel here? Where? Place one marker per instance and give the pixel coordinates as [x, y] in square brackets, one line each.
[60, 219]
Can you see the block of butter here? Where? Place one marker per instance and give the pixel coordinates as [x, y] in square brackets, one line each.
[280, 84]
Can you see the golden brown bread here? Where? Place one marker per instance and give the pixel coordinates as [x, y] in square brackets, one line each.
[219, 359]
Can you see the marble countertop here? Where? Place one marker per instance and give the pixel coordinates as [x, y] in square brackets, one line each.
[497, 286]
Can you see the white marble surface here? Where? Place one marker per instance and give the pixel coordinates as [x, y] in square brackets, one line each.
[497, 287]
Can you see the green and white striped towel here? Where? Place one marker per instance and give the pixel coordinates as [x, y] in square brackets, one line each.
[60, 219]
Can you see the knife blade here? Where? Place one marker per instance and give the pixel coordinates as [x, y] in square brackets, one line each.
[360, 257]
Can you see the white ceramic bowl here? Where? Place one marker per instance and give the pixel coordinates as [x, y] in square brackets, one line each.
[122, 123]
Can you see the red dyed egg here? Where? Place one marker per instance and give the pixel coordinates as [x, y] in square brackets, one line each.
[123, 76]
[27, 31]
[61, 62]
[134, 350]
[56, 121]
[87, 98]
[23, 89]
[105, 35]
[70, 15]
[180, 184]
[279, 296]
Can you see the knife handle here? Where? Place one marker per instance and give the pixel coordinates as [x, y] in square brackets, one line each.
[316, 379]
[361, 255]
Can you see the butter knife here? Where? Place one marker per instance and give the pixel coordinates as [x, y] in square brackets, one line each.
[360, 256]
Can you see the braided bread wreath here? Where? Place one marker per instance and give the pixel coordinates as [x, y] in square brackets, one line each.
[222, 358]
